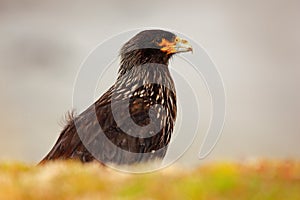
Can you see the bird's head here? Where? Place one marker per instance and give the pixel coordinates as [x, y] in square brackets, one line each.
[152, 46]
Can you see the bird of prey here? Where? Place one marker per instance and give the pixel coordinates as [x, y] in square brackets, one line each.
[132, 121]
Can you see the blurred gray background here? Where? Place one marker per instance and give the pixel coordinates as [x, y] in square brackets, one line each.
[255, 45]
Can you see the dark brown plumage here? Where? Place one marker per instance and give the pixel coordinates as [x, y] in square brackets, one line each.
[143, 94]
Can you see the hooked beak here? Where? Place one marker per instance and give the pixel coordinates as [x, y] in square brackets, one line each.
[177, 46]
[182, 45]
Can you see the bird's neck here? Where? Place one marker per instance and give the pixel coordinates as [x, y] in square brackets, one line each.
[135, 59]
[141, 73]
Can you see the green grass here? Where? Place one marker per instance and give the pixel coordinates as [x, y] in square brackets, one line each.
[227, 180]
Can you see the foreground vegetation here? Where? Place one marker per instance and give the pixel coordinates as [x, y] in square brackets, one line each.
[70, 180]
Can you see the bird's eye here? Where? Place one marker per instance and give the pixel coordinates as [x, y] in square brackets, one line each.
[176, 39]
[158, 41]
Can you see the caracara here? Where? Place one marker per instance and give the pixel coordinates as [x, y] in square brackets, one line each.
[144, 93]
